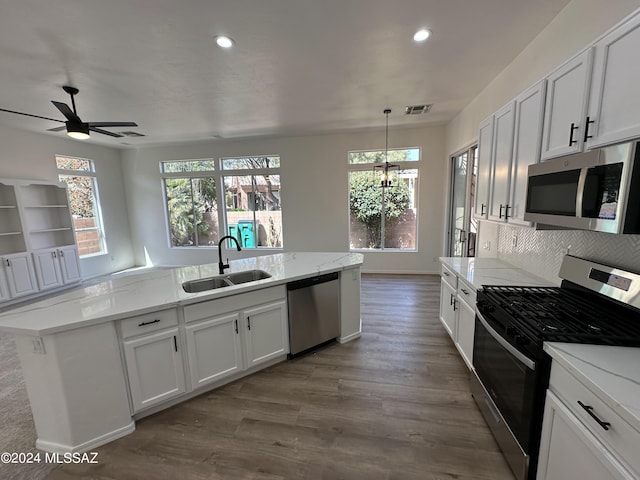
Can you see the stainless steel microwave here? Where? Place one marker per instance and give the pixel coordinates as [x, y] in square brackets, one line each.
[597, 190]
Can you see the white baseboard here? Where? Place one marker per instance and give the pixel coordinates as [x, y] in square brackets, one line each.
[86, 446]
[349, 338]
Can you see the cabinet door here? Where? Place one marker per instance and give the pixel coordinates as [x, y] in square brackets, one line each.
[214, 349]
[4, 288]
[566, 107]
[526, 148]
[69, 263]
[155, 368]
[466, 327]
[21, 278]
[485, 143]
[568, 451]
[266, 334]
[47, 268]
[448, 308]
[501, 164]
[615, 92]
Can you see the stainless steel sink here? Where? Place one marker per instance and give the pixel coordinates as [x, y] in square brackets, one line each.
[228, 280]
[203, 284]
[247, 276]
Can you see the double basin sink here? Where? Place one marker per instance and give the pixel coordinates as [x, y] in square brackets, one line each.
[221, 281]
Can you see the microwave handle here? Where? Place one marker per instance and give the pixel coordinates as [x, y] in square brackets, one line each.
[582, 179]
[527, 362]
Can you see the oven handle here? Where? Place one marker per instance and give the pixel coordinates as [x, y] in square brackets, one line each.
[530, 364]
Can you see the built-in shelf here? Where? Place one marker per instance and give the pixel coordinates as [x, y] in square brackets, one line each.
[8, 206]
[48, 230]
[46, 206]
[2, 234]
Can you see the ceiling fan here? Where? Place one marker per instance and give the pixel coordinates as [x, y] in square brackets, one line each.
[75, 127]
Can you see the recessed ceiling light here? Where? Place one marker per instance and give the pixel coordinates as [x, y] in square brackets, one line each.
[224, 42]
[421, 35]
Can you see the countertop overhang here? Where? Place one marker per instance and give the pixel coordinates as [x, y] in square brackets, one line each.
[126, 296]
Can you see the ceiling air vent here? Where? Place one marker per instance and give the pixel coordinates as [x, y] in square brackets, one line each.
[132, 134]
[417, 109]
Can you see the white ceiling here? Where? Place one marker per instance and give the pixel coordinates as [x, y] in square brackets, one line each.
[298, 67]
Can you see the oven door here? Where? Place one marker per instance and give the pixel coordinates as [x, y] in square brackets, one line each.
[509, 377]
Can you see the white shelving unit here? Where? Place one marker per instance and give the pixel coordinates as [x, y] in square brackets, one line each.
[37, 241]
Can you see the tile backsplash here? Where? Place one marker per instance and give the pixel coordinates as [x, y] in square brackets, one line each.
[541, 251]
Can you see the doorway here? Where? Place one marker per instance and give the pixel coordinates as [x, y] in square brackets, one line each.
[462, 226]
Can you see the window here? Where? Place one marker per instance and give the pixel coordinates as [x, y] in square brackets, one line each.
[248, 206]
[82, 189]
[191, 199]
[252, 202]
[397, 228]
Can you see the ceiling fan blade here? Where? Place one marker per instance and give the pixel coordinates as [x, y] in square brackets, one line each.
[104, 132]
[113, 124]
[67, 112]
[57, 129]
[30, 115]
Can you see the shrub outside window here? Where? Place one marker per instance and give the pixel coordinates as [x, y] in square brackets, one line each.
[368, 230]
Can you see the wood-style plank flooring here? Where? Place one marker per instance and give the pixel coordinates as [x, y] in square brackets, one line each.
[394, 404]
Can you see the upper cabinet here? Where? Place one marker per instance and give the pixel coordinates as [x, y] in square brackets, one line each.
[615, 91]
[485, 145]
[502, 150]
[526, 147]
[565, 118]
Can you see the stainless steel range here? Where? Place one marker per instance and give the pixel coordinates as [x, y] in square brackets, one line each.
[594, 304]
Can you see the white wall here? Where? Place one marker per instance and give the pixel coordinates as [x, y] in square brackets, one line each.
[314, 195]
[579, 24]
[32, 156]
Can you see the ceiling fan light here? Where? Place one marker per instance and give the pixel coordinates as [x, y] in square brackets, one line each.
[78, 131]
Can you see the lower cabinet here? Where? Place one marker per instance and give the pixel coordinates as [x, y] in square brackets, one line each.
[222, 338]
[155, 368]
[569, 451]
[21, 279]
[466, 329]
[56, 267]
[448, 308]
[214, 349]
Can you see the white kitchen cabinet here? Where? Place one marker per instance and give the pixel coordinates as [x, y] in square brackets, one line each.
[47, 267]
[155, 368]
[56, 267]
[529, 117]
[448, 308]
[466, 324]
[21, 277]
[485, 145]
[500, 172]
[615, 93]
[232, 334]
[569, 451]
[4, 288]
[214, 349]
[566, 107]
[267, 334]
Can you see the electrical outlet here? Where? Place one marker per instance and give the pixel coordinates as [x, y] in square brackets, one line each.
[514, 241]
[486, 245]
[566, 250]
[38, 345]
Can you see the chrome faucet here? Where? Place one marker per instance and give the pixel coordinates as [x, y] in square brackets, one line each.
[221, 264]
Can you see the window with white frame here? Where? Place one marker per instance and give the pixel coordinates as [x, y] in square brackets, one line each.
[383, 217]
[252, 200]
[82, 189]
[191, 200]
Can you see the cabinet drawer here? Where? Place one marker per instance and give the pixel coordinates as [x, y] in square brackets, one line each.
[466, 294]
[620, 437]
[449, 277]
[150, 322]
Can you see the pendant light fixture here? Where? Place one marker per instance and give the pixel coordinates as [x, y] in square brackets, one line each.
[386, 168]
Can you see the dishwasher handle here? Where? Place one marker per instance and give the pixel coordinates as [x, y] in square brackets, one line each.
[309, 282]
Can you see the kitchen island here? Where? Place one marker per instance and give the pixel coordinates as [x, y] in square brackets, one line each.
[96, 358]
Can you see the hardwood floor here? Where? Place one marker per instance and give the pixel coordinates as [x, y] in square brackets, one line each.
[394, 404]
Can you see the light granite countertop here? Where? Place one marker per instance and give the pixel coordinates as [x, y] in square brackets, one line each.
[611, 373]
[129, 295]
[490, 271]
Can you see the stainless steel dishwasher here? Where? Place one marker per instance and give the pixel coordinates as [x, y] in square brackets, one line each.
[314, 311]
